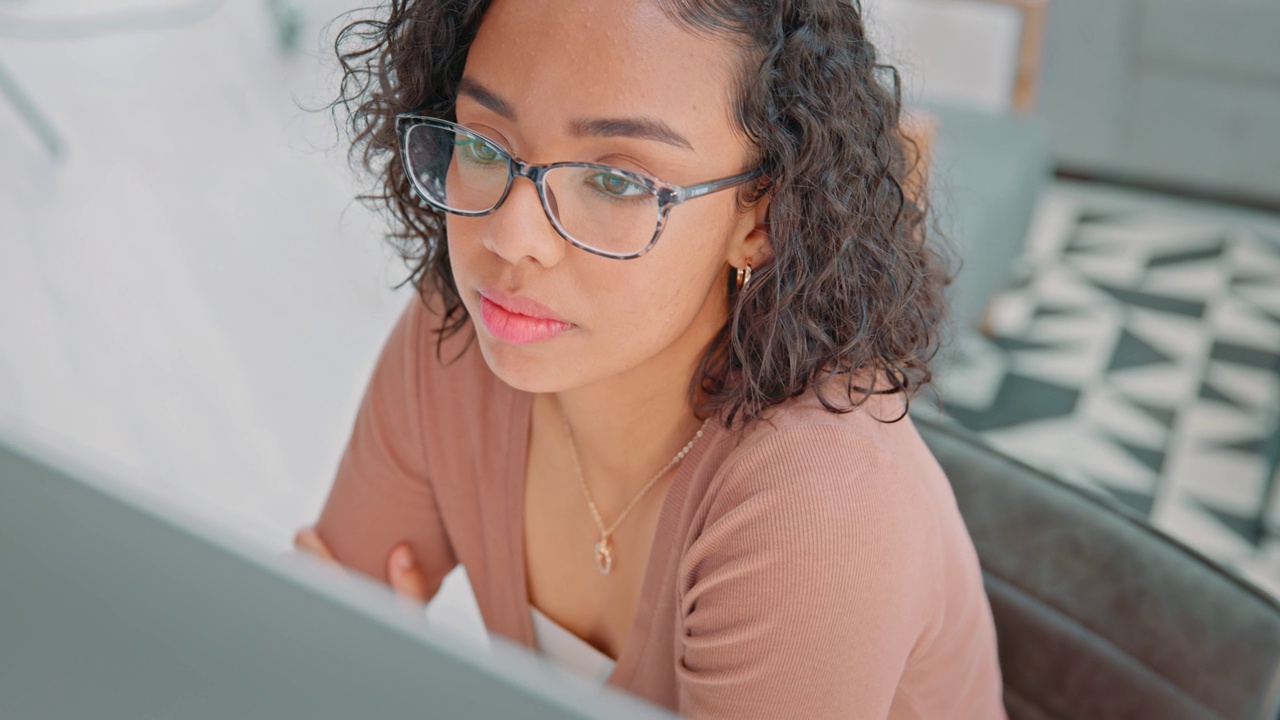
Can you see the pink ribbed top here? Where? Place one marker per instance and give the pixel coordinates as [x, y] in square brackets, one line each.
[813, 566]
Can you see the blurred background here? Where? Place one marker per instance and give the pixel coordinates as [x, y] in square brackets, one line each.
[192, 300]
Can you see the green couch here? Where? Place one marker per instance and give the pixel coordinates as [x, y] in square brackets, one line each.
[1098, 615]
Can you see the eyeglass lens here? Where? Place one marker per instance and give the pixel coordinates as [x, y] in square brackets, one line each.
[598, 208]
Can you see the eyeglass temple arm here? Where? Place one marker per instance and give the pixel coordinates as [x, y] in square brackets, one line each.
[706, 188]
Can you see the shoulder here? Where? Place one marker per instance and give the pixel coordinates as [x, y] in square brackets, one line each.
[421, 331]
[849, 488]
[801, 452]
[812, 562]
[444, 367]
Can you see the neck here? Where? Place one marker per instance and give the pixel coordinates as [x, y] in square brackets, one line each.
[625, 432]
[628, 427]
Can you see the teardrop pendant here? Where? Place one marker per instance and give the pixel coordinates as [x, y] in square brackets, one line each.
[604, 556]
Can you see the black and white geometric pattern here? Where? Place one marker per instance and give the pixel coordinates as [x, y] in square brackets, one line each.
[1139, 355]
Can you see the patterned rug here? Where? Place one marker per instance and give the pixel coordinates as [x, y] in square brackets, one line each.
[1139, 355]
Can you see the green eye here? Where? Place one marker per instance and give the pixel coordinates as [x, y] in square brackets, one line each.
[477, 150]
[617, 185]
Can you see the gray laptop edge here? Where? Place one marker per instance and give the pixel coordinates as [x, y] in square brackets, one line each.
[115, 605]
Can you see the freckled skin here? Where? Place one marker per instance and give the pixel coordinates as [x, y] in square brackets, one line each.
[638, 321]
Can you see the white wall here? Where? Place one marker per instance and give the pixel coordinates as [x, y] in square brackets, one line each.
[956, 51]
[188, 294]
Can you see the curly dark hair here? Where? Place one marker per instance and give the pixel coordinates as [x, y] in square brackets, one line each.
[855, 279]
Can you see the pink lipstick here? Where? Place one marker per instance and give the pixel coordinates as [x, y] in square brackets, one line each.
[518, 320]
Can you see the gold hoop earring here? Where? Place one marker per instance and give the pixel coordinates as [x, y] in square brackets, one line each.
[744, 275]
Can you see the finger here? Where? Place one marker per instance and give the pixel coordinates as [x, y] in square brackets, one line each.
[309, 540]
[407, 579]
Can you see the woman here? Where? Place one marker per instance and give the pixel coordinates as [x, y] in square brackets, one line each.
[654, 398]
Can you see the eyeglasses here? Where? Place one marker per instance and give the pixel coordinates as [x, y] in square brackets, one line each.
[604, 210]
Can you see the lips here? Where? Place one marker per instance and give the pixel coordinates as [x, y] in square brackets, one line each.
[519, 320]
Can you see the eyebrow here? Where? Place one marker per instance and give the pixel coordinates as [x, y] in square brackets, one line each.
[642, 128]
[471, 88]
[634, 127]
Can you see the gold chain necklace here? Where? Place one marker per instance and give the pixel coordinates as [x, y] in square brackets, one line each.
[604, 548]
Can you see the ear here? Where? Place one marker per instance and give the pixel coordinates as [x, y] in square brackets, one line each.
[753, 244]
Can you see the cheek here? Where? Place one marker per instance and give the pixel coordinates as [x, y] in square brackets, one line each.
[463, 243]
[641, 305]
[458, 230]
[656, 297]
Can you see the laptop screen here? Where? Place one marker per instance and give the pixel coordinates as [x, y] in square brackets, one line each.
[113, 605]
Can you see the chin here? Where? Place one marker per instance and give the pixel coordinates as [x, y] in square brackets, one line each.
[531, 369]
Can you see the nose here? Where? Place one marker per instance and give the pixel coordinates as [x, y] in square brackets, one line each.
[520, 228]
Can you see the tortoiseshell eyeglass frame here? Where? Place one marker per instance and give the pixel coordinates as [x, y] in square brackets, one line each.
[667, 194]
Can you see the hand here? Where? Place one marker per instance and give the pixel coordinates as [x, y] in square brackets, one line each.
[406, 578]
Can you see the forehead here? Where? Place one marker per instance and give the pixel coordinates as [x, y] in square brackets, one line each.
[555, 60]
